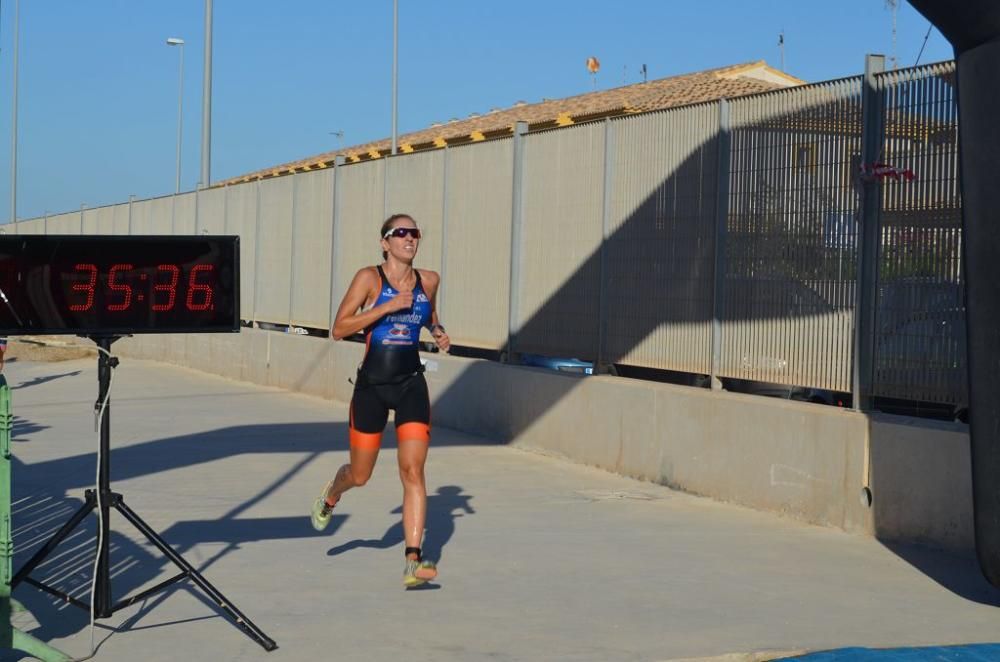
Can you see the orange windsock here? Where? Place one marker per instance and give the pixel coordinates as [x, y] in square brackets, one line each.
[593, 65]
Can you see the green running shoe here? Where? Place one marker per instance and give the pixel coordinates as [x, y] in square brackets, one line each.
[321, 510]
[417, 572]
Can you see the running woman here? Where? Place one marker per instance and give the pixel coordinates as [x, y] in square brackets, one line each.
[390, 302]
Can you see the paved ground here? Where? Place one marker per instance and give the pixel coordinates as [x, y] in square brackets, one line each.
[540, 559]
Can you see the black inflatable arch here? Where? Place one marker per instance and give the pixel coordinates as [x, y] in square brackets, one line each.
[973, 28]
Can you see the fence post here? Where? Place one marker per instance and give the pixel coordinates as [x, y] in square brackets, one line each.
[386, 182]
[225, 209]
[444, 233]
[45, 223]
[722, 167]
[335, 285]
[83, 207]
[291, 252]
[868, 238]
[602, 317]
[131, 199]
[256, 253]
[197, 211]
[516, 217]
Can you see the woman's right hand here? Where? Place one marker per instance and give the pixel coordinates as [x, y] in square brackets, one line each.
[402, 301]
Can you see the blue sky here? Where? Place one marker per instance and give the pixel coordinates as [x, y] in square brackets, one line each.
[98, 86]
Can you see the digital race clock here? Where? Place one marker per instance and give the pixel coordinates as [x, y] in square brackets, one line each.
[67, 284]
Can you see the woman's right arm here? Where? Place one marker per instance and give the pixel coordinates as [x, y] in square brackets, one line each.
[349, 321]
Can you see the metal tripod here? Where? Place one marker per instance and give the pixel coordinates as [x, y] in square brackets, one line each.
[102, 599]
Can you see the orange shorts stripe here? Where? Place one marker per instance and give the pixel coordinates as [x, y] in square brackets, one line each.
[413, 432]
[365, 440]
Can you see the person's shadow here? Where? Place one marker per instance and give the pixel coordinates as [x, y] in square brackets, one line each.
[441, 514]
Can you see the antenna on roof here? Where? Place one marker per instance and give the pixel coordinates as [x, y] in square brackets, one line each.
[781, 45]
[643, 70]
[340, 138]
[893, 6]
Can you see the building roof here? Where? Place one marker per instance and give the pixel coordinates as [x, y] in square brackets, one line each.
[703, 86]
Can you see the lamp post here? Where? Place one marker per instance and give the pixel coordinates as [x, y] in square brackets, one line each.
[395, 70]
[13, 125]
[206, 103]
[175, 41]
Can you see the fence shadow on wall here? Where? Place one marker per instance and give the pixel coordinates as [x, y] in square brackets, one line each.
[786, 259]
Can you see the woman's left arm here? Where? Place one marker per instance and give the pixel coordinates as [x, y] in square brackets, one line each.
[432, 282]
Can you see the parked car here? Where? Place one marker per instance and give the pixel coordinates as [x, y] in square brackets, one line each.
[921, 361]
[901, 299]
[556, 363]
[752, 298]
[788, 392]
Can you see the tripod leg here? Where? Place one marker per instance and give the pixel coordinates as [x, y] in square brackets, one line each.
[60, 535]
[241, 621]
[36, 648]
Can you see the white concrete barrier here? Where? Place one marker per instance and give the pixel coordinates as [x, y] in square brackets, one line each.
[803, 460]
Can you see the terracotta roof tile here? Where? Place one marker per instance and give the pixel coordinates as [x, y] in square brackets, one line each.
[687, 89]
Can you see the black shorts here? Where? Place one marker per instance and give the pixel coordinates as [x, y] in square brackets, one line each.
[370, 411]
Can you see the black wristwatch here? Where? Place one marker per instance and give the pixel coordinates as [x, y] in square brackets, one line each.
[436, 327]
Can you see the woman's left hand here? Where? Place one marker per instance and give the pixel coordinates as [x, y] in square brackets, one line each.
[442, 339]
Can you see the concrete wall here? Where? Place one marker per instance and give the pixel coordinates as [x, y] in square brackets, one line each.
[922, 481]
[802, 460]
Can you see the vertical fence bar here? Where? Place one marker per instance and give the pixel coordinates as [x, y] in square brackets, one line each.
[45, 223]
[724, 154]
[291, 251]
[385, 187]
[131, 199]
[444, 234]
[516, 218]
[256, 254]
[868, 237]
[335, 240]
[602, 317]
[225, 212]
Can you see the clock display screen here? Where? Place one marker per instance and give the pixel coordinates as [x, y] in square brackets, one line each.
[56, 284]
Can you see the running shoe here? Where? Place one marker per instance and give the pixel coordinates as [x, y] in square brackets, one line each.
[321, 510]
[417, 572]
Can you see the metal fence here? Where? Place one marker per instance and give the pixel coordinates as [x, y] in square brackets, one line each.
[662, 180]
[920, 347]
[790, 237]
[721, 239]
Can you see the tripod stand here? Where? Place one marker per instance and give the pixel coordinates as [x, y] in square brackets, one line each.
[104, 499]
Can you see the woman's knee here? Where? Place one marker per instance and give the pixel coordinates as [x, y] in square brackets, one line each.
[412, 474]
[359, 476]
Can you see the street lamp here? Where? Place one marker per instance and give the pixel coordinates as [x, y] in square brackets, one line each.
[13, 127]
[206, 103]
[395, 71]
[175, 41]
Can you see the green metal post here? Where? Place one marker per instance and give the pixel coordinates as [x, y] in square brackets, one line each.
[11, 637]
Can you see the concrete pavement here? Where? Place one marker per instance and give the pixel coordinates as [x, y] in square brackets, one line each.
[540, 559]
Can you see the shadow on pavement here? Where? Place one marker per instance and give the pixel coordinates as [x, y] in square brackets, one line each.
[441, 515]
[960, 575]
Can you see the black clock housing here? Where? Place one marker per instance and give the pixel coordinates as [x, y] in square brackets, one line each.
[86, 285]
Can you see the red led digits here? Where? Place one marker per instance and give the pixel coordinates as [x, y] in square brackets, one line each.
[170, 288]
[117, 287]
[195, 286]
[88, 287]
